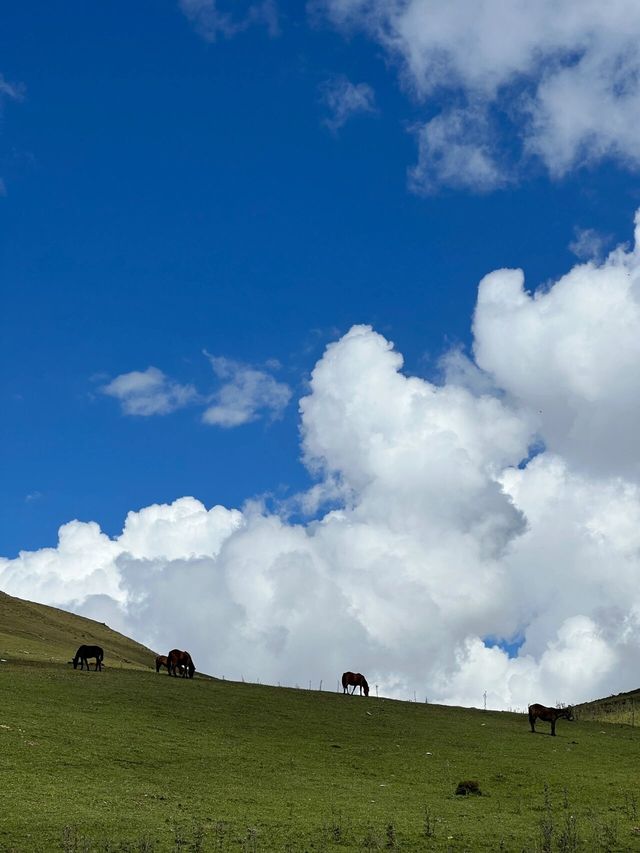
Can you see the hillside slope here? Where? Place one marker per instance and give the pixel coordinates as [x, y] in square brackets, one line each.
[127, 759]
[35, 632]
[623, 708]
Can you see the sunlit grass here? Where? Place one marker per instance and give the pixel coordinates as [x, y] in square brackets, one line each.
[130, 760]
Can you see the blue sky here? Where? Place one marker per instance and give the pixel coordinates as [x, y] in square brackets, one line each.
[185, 182]
[166, 195]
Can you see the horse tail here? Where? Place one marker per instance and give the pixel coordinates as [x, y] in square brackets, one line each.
[345, 681]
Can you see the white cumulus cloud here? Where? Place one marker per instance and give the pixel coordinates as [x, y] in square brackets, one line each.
[500, 505]
[456, 148]
[563, 75]
[149, 392]
[246, 393]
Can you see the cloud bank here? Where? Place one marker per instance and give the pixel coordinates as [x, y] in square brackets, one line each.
[560, 79]
[500, 506]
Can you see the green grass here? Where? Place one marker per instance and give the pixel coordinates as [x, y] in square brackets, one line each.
[35, 632]
[131, 760]
[622, 708]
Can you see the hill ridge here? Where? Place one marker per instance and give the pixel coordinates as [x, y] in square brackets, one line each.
[39, 632]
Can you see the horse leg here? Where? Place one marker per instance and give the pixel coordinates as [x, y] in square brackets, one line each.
[553, 728]
[532, 723]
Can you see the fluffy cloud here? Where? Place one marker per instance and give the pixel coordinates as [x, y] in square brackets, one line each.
[564, 76]
[589, 244]
[571, 353]
[345, 99]
[246, 394]
[500, 505]
[149, 392]
[457, 148]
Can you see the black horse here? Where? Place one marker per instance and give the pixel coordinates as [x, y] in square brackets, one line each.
[85, 652]
[180, 662]
[161, 661]
[548, 715]
[355, 679]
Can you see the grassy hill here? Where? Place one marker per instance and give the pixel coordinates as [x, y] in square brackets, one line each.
[35, 632]
[623, 708]
[130, 760]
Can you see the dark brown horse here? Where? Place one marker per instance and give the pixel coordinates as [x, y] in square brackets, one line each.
[180, 662]
[161, 661]
[85, 652]
[355, 679]
[548, 715]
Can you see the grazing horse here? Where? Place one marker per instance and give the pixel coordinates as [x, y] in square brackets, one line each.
[549, 715]
[356, 679]
[161, 661]
[178, 661]
[85, 652]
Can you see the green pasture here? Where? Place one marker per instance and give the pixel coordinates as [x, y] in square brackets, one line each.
[130, 760]
[35, 632]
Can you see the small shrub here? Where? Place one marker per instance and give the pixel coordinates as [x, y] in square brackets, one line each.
[73, 842]
[568, 838]
[371, 841]
[429, 824]
[469, 786]
[221, 830]
[631, 805]
[546, 824]
[333, 829]
[392, 841]
[250, 842]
